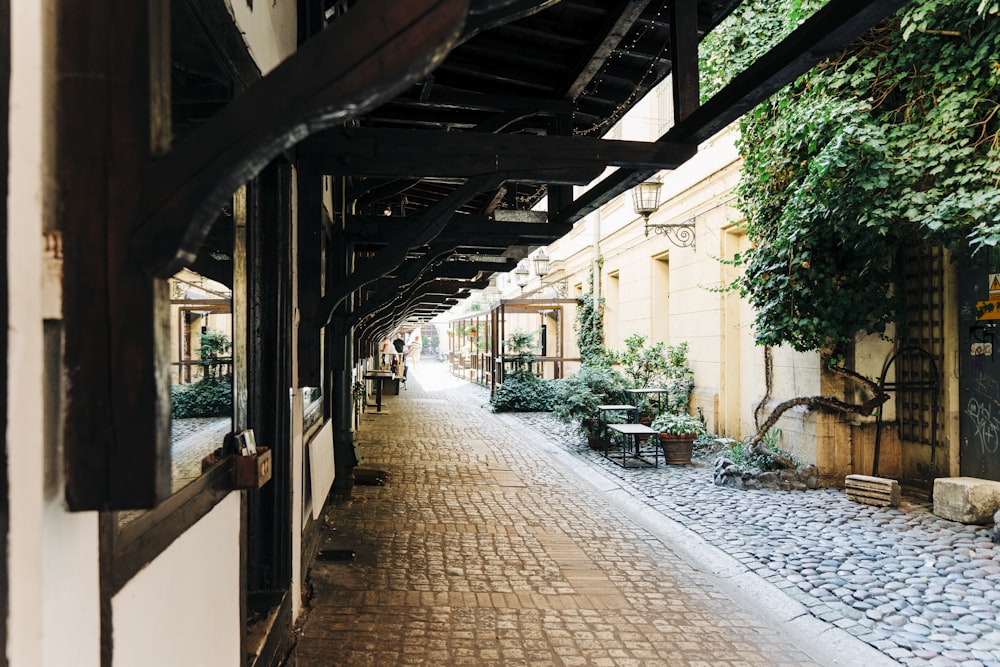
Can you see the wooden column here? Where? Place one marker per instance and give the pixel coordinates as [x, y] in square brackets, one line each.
[270, 375]
[309, 234]
[341, 335]
[113, 116]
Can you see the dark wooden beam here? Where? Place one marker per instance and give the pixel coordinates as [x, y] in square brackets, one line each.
[227, 41]
[623, 17]
[439, 98]
[417, 282]
[519, 157]
[366, 58]
[112, 118]
[684, 57]
[407, 274]
[486, 14]
[829, 31]
[432, 222]
[375, 228]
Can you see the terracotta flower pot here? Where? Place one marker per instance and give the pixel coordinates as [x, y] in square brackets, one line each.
[677, 449]
[593, 437]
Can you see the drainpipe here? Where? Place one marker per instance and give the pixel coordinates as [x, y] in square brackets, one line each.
[596, 222]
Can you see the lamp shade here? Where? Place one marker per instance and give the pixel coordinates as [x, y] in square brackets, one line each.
[646, 197]
[541, 261]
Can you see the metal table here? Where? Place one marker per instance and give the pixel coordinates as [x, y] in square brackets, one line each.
[631, 447]
[631, 416]
[378, 377]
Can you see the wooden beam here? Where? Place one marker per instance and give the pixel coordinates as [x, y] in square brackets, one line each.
[487, 14]
[623, 17]
[517, 157]
[375, 228]
[431, 224]
[111, 118]
[684, 57]
[829, 31]
[364, 59]
[438, 98]
[226, 39]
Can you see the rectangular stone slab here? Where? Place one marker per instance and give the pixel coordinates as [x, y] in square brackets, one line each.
[966, 499]
[869, 490]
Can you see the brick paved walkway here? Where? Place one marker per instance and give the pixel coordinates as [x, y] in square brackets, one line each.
[484, 550]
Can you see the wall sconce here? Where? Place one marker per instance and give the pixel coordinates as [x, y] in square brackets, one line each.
[521, 275]
[645, 201]
[541, 262]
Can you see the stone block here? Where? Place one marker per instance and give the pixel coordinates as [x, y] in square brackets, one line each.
[966, 499]
[868, 490]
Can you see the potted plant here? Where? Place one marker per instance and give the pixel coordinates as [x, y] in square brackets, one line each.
[677, 435]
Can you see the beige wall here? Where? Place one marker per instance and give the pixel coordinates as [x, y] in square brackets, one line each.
[668, 293]
[269, 29]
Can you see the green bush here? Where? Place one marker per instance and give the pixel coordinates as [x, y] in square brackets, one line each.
[577, 397]
[212, 397]
[522, 392]
[740, 455]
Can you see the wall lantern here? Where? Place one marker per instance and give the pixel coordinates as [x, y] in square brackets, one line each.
[541, 261]
[521, 274]
[645, 201]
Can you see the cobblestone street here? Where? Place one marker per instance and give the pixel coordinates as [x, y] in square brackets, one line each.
[493, 544]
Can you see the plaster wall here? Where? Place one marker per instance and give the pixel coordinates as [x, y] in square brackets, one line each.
[183, 608]
[53, 614]
[269, 29]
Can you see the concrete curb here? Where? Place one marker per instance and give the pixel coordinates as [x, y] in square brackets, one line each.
[826, 643]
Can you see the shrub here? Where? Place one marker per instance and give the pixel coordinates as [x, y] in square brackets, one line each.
[212, 397]
[577, 397]
[522, 392]
[741, 456]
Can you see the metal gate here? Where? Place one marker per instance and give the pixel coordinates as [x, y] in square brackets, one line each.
[979, 368]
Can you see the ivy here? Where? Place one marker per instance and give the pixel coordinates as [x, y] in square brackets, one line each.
[895, 142]
[589, 328]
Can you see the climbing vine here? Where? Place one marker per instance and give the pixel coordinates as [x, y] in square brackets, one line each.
[894, 142]
[589, 327]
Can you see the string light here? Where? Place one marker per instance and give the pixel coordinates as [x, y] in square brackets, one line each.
[619, 111]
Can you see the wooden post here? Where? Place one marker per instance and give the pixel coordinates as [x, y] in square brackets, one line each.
[112, 118]
[309, 255]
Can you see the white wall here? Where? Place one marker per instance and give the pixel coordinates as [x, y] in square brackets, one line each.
[269, 29]
[183, 608]
[54, 616]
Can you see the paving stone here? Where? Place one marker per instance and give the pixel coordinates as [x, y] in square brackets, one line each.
[534, 570]
[909, 583]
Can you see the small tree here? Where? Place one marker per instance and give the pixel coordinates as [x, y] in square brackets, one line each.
[214, 354]
[644, 365]
[521, 391]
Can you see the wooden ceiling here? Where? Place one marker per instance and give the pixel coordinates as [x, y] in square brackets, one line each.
[512, 114]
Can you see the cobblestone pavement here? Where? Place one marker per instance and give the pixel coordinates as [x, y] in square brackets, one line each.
[192, 440]
[490, 545]
[920, 589]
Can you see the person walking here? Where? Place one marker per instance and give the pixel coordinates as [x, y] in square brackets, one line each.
[414, 345]
[399, 358]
